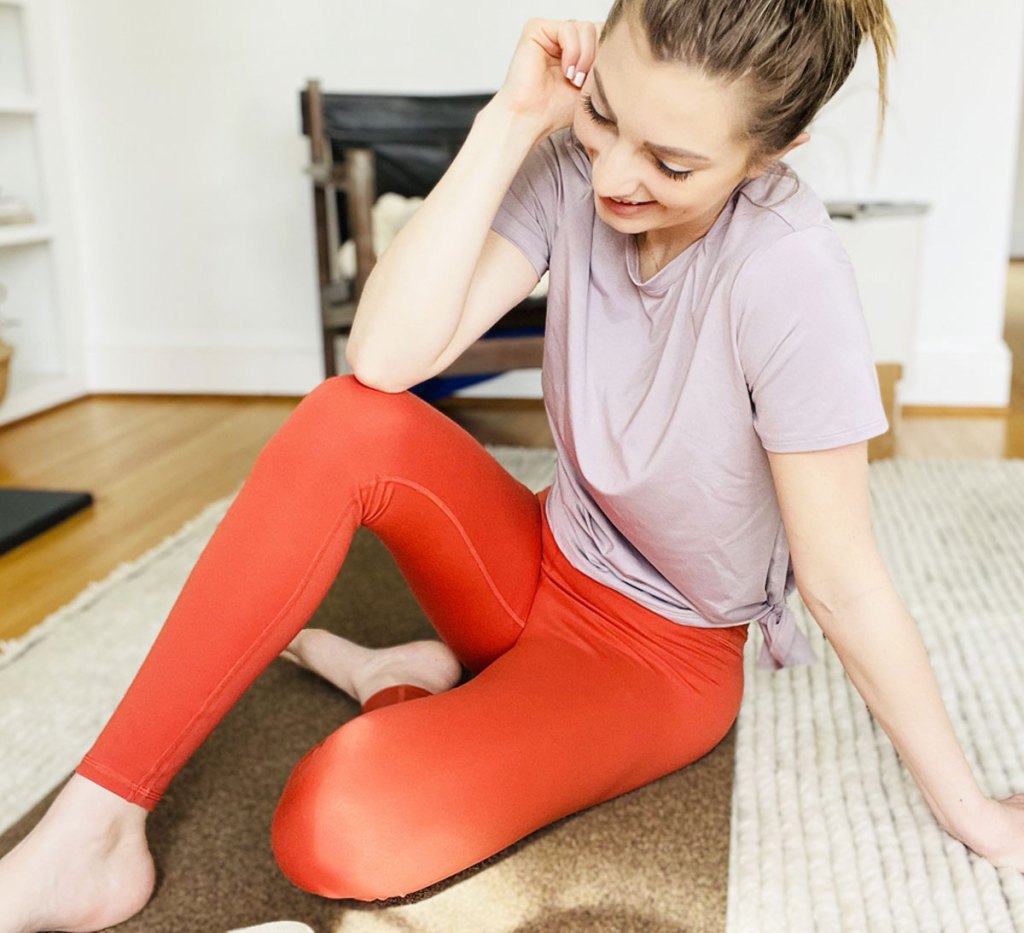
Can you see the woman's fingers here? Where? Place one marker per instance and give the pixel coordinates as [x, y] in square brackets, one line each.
[568, 39]
[586, 36]
[588, 46]
[545, 44]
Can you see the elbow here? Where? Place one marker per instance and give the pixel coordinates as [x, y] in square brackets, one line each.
[381, 385]
[374, 379]
[856, 599]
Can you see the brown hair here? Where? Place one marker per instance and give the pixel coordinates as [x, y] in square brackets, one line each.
[790, 56]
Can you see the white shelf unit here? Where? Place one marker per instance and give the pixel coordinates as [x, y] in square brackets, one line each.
[35, 257]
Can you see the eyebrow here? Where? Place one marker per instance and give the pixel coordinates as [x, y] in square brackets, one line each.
[670, 150]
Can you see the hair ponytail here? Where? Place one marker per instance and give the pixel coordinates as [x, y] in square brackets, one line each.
[875, 22]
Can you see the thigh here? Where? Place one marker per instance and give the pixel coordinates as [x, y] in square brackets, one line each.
[574, 714]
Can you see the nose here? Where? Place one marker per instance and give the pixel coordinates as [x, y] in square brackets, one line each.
[613, 174]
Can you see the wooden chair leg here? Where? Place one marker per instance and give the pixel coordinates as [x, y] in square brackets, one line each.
[361, 191]
[324, 210]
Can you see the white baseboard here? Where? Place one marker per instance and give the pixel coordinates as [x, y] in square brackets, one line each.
[955, 376]
[1017, 242]
[227, 369]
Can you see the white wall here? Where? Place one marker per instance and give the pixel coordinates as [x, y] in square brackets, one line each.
[195, 218]
[951, 140]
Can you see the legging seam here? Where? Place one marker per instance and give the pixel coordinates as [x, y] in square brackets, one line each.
[466, 540]
[138, 789]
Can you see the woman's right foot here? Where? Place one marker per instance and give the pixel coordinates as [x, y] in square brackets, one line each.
[85, 865]
[361, 672]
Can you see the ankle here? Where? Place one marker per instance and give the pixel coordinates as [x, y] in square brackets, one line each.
[91, 810]
[299, 645]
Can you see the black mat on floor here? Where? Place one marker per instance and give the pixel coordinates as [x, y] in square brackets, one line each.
[25, 513]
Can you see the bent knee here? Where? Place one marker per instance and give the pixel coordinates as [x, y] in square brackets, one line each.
[346, 825]
[342, 417]
[363, 412]
[346, 389]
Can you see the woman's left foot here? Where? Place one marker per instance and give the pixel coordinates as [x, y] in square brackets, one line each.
[361, 672]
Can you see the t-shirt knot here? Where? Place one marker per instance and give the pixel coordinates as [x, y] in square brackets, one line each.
[784, 644]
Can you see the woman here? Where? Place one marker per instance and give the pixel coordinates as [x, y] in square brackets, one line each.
[711, 390]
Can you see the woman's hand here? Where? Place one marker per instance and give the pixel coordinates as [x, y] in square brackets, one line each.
[998, 834]
[536, 83]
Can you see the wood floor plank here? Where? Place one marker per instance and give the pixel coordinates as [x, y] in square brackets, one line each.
[151, 465]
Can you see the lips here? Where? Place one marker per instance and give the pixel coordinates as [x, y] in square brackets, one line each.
[623, 209]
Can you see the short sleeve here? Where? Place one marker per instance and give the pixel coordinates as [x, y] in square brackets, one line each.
[529, 210]
[804, 346]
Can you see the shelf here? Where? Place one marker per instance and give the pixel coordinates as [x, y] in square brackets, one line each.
[24, 234]
[46, 369]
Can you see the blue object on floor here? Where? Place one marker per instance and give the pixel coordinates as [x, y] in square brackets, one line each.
[440, 387]
[25, 513]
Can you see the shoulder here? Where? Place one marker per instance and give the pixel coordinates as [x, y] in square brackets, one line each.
[779, 223]
[789, 246]
[554, 173]
[566, 155]
[569, 152]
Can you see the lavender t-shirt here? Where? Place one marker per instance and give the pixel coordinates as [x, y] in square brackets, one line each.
[664, 395]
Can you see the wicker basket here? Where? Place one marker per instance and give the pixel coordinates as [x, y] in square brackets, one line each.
[6, 352]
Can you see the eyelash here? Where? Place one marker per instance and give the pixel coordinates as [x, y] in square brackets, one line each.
[604, 121]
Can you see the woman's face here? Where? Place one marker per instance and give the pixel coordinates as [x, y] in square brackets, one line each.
[628, 101]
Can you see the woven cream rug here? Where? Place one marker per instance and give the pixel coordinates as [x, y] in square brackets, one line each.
[829, 830]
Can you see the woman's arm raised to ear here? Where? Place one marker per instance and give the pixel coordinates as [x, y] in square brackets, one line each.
[415, 296]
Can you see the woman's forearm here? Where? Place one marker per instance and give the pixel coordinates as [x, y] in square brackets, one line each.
[881, 649]
[414, 297]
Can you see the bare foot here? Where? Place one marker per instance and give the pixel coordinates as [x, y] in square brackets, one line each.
[361, 672]
[84, 866]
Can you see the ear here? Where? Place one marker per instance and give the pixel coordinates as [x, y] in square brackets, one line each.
[798, 141]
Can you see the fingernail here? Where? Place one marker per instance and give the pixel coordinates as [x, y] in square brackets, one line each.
[570, 71]
[579, 79]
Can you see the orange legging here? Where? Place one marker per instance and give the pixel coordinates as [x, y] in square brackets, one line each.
[580, 693]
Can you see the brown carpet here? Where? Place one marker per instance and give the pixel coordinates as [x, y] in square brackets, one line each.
[655, 859]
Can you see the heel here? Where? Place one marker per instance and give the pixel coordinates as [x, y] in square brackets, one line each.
[396, 694]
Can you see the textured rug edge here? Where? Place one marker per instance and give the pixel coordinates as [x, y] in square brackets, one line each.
[11, 648]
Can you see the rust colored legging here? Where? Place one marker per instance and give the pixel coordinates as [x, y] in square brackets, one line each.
[580, 693]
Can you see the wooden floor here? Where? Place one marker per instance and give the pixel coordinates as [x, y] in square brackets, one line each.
[153, 462]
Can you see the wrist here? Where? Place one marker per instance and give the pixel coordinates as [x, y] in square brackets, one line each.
[524, 123]
[978, 826]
